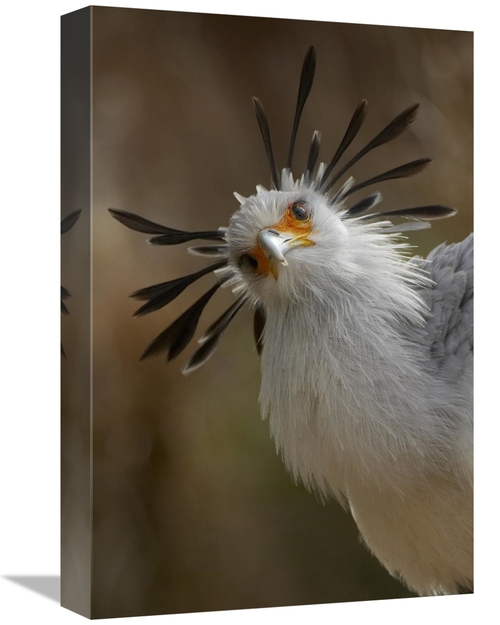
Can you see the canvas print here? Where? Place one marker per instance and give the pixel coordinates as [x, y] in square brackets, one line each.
[281, 303]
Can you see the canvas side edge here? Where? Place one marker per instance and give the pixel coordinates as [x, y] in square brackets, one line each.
[76, 374]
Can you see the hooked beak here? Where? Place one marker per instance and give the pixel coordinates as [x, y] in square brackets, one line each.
[274, 244]
[272, 247]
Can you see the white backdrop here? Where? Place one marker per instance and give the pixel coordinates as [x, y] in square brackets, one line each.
[30, 314]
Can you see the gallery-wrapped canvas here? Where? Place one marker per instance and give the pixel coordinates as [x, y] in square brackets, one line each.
[266, 388]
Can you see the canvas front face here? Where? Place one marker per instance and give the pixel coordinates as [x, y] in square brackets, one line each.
[192, 508]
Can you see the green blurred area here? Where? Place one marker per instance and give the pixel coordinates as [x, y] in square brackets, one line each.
[193, 509]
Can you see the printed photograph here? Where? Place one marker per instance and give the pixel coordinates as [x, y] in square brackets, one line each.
[281, 299]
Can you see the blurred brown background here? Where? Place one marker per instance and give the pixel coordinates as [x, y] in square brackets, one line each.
[193, 509]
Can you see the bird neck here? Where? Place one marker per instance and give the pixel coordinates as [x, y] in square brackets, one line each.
[345, 390]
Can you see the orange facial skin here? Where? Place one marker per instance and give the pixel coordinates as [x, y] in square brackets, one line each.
[299, 229]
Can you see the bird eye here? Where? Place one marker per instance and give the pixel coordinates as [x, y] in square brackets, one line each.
[300, 212]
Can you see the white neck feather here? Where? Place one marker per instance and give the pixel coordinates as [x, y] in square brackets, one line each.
[346, 401]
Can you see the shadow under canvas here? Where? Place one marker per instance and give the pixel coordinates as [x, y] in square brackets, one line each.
[46, 585]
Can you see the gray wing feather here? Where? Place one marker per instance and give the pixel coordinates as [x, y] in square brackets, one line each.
[449, 338]
[449, 328]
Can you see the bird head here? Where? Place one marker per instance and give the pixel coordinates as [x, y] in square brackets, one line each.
[280, 242]
[300, 237]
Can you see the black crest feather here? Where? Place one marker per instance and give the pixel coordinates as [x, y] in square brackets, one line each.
[70, 220]
[139, 224]
[364, 205]
[213, 335]
[177, 336]
[306, 81]
[184, 237]
[266, 135]
[434, 211]
[403, 171]
[350, 134]
[312, 157]
[398, 125]
[159, 295]
[66, 224]
[259, 322]
[165, 235]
